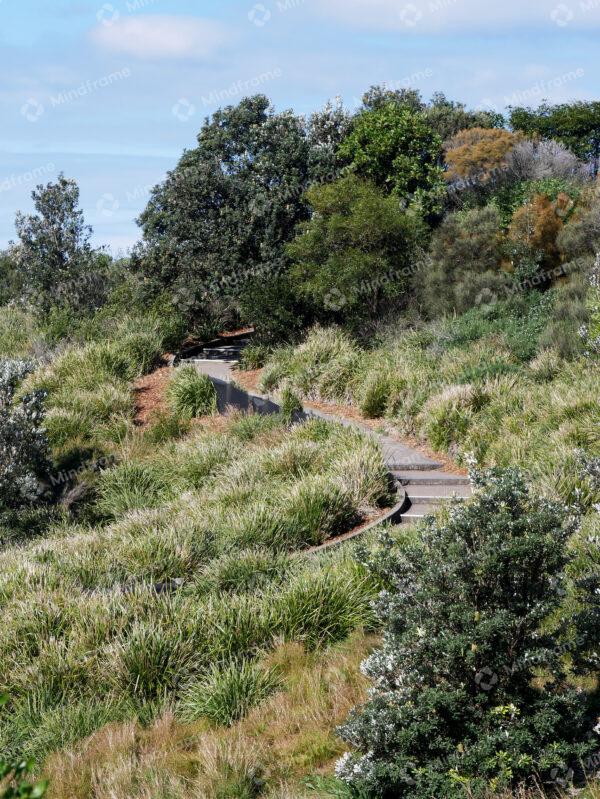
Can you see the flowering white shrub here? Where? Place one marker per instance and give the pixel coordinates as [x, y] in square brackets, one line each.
[23, 443]
[454, 708]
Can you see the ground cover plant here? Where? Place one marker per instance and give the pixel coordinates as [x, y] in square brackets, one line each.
[93, 629]
[487, 384]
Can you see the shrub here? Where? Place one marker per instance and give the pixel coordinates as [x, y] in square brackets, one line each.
[464, 268]
[191, 393]
[455, 705]
[24, 464]
[352, 261]
[478, 153]
[14, 781]
[254, 356]
[131, 486]
[227, 693]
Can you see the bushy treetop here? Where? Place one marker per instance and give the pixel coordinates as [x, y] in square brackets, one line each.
[470, 690]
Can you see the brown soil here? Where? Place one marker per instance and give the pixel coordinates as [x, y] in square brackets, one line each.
[241, 332]
[249, 381]
[149, 394]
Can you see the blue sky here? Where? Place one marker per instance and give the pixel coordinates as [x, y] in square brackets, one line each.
[111, 93]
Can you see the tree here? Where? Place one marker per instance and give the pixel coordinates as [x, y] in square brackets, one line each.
[10, 280]
[352, 261]
[377, 97]
[455, 708]
[222, 217]
[537, 225]
[54, 256]
[576, 125]
[395, 148]
[478, 154]
[542, 159]
[464, 264]
[447, 117]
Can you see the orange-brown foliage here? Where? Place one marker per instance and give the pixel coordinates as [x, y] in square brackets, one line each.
[478, 152]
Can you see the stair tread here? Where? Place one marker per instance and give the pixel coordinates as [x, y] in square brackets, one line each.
[430, 477]
[437, 491]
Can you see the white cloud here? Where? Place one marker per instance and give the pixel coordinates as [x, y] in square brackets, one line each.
[458, 16]
[161, 36]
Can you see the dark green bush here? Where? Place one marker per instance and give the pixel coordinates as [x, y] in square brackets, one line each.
[472, 696]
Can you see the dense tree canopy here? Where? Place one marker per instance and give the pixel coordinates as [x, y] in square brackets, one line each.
[576, 125]
[397, 149]
[222, 216]
[353, 259]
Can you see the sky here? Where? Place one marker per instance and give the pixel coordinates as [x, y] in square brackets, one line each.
[112, 93]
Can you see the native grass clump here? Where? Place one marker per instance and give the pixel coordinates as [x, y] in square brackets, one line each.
[192, 576]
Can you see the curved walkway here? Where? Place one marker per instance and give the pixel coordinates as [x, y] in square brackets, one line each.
[426, 484]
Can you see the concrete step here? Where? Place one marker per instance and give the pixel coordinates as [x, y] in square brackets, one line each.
[430, 477]
[439, 500]
[424, 492]
[418, 512]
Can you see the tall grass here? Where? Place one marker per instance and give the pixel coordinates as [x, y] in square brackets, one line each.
[90, 402]
[268, 753]
[191, 393]
[475, 385]
[87, 623]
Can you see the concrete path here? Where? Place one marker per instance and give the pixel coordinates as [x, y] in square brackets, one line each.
[426, 483]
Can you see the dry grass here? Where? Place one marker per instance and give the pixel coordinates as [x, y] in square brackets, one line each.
[291, 735]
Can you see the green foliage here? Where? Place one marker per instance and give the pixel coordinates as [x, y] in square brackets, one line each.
[99, 628]
[89, 401]
[464, 265]
[191, 393]
[24, 461]
[455, 704]
[226, 694]
[54, 259]
[396, 149]
[513, 195]
[254, 356]
[245, 182]
[291, 405]
[577, 125]
[14, 780]
[274, 307]
[354, 259]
